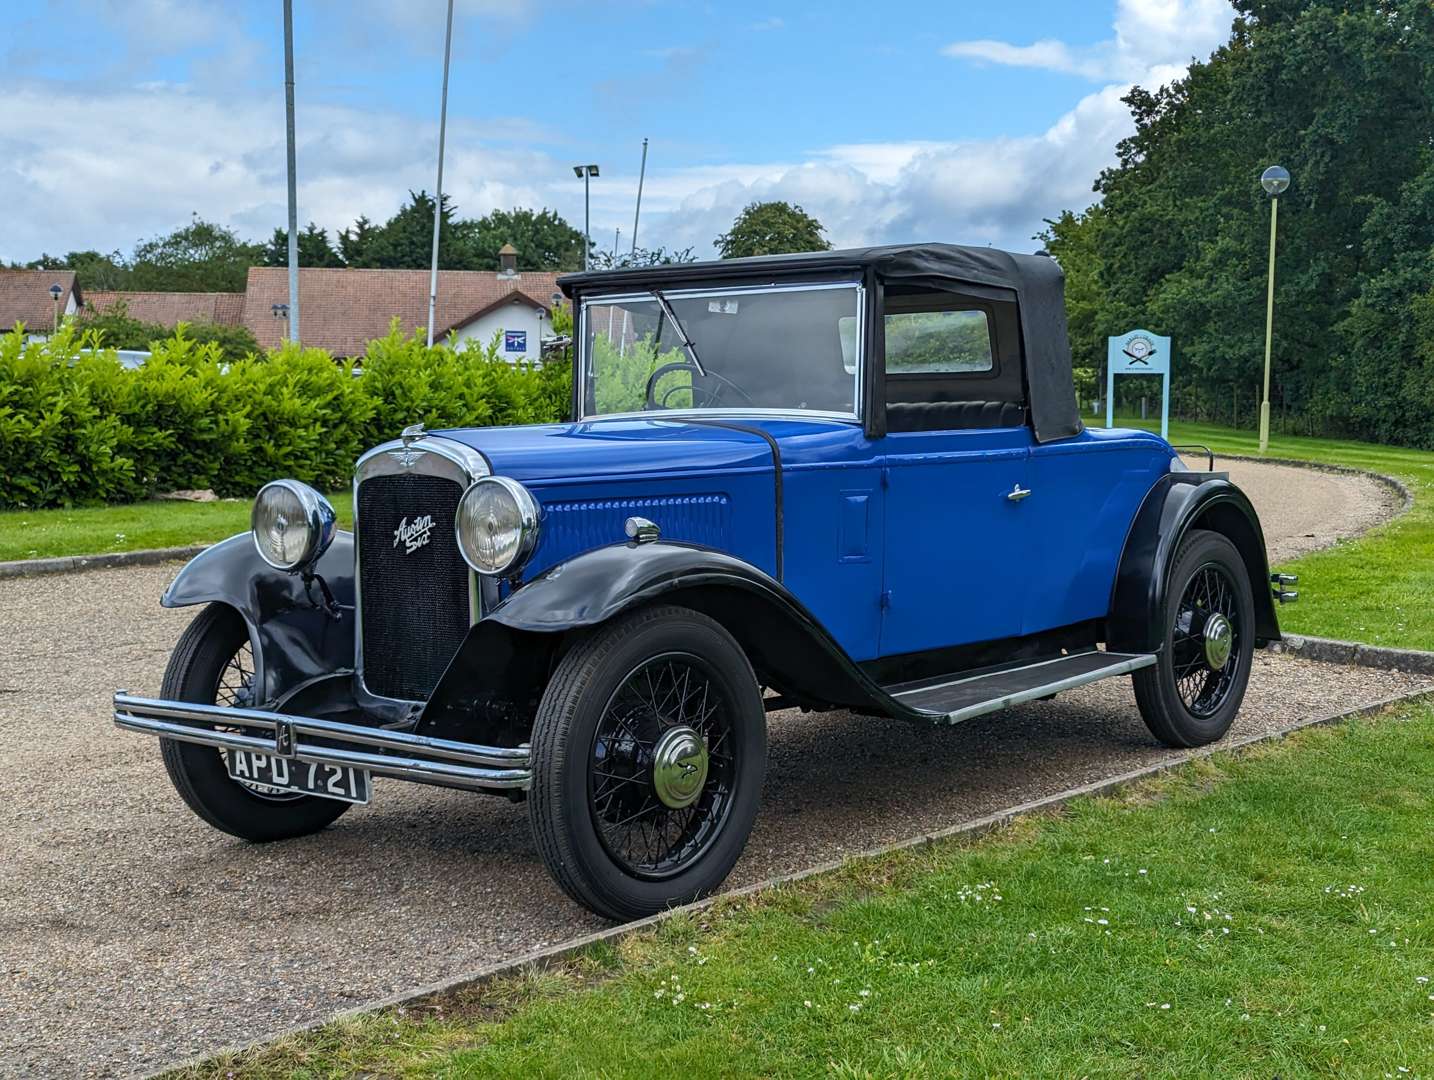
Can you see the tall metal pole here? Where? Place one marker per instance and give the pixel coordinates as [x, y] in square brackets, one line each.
[642, 174]
[1269, 330]
[438, 195]
[587, 220]
[293, 176]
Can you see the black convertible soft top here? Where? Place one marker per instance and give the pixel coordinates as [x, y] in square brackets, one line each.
[1037, 281]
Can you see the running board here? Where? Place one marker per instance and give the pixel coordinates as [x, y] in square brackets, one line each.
[955, 699]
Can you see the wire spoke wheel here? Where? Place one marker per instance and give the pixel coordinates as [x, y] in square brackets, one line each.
[662, 765]
[235, 689]
[1206, 658]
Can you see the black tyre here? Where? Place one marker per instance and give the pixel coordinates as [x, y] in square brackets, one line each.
[649, 749]
[213, 665]
[1190, 696]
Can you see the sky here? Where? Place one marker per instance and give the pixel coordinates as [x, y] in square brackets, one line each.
[905, 121]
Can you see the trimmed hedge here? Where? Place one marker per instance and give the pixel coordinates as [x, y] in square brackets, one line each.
[77, 428]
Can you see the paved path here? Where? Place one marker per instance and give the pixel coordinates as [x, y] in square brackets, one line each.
[1303, 510]
[132, 935]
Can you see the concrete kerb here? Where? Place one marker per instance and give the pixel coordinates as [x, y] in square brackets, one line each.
[70, 564]
[1331, 651]
[554, 955]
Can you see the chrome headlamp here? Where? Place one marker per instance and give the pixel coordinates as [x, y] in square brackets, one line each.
[292, 524]
[497, 525]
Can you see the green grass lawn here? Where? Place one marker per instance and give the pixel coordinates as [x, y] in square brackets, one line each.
[35, 534]
[1261, 914]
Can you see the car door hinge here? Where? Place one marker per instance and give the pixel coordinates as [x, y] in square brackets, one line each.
[885, 599]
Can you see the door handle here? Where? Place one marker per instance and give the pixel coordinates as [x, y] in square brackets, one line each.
[1017, 493]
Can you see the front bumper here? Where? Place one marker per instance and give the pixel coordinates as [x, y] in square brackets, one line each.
[310, 739]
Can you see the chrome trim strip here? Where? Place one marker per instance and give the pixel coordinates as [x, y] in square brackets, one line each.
[736, 412]
[419, 758]
[429, 455]
[608, 299]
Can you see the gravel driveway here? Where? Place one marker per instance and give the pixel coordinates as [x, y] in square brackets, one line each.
[132, 935]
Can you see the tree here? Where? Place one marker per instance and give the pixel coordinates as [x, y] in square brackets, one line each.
[771, 228]
[405, 240]
[198, 257]
[1342, 93]
[543, 239]
[658, 256]
[92, 269]
[356, 245]
[1073, 240]
[314, 248]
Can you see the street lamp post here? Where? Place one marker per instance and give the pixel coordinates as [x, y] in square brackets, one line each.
[56, 291]
[1274, 180]
[586, 173]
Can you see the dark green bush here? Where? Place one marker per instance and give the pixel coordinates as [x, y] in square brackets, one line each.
[78, 428]
[115, 329]
[58, 445]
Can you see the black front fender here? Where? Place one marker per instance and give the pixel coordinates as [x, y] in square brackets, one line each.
[491, 687]
[1176, 504]
[293, 636]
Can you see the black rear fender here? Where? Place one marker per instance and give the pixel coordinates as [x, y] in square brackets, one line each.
[1176, 504]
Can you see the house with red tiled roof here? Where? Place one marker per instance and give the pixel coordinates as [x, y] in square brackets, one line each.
[342, 310]
[170, 308]
[26, 297]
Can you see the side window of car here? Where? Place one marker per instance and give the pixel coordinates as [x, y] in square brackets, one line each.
[934, 342]
[952, 361]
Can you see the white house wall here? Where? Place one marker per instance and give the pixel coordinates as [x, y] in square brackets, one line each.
[510, 317]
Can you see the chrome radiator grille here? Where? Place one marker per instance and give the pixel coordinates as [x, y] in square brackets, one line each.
[413, 584]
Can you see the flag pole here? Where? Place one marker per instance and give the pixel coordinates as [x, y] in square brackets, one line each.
[438, 195]
[293, 181]
[642, 174]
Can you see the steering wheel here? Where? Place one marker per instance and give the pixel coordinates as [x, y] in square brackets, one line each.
[712, 395]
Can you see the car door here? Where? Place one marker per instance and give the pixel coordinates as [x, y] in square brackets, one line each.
[955, 566]
[955, 465]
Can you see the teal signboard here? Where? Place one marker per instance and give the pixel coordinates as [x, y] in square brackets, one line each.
[1138, 352]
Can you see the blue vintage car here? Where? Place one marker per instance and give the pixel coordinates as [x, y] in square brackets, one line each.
[848, 480]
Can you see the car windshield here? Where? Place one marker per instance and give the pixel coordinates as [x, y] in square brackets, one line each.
[784, 348]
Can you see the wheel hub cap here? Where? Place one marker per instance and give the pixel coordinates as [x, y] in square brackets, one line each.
[1219, 639]
[679, 767]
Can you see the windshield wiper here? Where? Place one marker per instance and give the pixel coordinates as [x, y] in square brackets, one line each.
[681, 330]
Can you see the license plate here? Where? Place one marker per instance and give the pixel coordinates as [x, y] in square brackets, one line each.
[287, 774]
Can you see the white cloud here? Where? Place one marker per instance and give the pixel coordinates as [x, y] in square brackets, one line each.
[1146, 34]
[83, 171]
[1048, 54]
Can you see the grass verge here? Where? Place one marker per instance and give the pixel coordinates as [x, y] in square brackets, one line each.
[1264, 913]
[159, 523]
